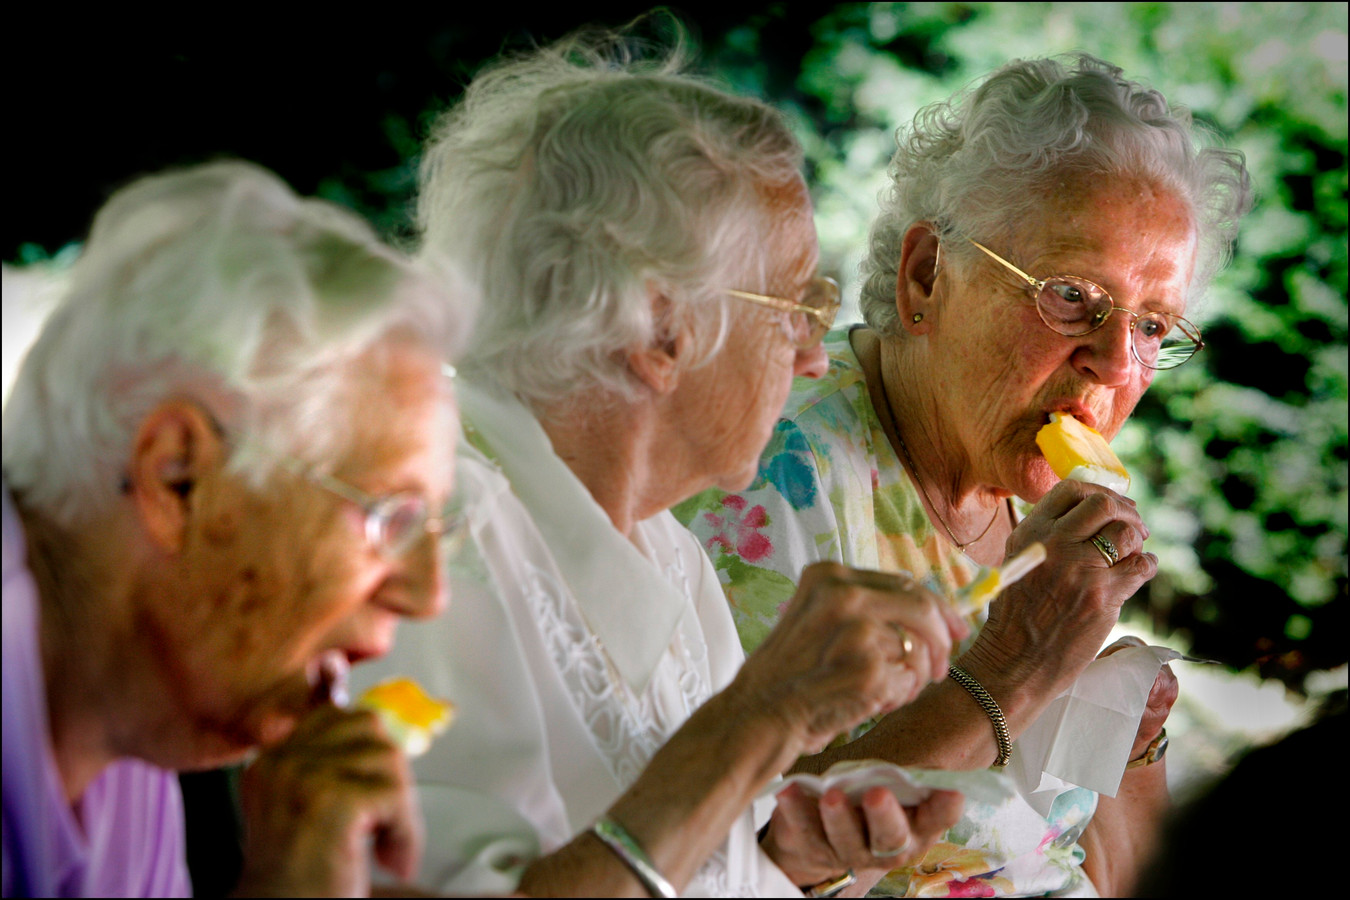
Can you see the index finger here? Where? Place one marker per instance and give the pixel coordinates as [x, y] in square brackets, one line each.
[1064, 497]
[918, 613]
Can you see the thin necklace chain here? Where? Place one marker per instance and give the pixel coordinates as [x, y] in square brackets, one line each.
[895, 426]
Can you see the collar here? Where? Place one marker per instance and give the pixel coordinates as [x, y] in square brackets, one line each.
[622, 594]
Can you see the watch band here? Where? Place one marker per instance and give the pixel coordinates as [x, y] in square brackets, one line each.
[830, 886]
[1155, 751]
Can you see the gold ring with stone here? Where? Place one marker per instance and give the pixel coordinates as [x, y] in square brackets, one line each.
[1106, 549]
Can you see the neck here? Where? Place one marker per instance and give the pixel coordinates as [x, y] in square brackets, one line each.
[615, 449]
[82, 659]
[966, 513]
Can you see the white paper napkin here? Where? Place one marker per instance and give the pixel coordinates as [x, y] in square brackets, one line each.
[1084, 736]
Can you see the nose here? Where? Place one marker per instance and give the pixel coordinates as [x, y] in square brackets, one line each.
[811, 362]
[1106, 356]
[428, 593]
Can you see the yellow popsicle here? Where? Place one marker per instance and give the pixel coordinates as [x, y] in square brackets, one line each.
[1077, 452]
[411, 716]
[982, 591]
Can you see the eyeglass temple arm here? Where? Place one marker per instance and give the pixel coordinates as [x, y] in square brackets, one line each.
[327, 482]
[1003, 262]
[777, 303]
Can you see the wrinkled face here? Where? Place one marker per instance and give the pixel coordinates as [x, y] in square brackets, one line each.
[274, 580]
[1000, 371]
[732, 403]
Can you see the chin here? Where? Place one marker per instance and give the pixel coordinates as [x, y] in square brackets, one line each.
[739, 481]
[206, 750]
[1036, 482]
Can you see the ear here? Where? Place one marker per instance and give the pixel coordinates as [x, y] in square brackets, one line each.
[175, 447]
[914, 286]
[657, 365]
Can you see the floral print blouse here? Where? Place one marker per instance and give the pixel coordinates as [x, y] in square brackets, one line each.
[830, 487]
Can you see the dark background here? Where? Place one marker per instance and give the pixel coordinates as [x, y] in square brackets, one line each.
[335, 105]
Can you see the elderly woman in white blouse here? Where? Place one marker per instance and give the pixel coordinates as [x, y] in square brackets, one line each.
[645, 248]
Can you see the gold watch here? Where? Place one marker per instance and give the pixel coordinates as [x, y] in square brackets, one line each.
[1154, 752]
[830, 886]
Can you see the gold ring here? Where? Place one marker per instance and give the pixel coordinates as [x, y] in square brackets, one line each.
[906, 642]
[896, 852]
[1106, 549]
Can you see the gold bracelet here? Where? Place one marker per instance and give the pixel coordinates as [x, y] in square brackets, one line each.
[991, 709]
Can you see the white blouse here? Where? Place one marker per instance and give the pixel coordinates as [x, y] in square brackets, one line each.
[571, 655]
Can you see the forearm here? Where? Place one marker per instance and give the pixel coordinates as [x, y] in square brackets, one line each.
[1125, 830]
[944, 727]
[680, 809]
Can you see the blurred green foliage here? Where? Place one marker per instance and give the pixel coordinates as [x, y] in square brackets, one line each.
[1240, 457]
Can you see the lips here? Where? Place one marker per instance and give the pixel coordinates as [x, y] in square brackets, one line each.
[1072, 408]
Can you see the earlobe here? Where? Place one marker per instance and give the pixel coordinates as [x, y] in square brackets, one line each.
[176, 445]
[917, 277]
[657, 365]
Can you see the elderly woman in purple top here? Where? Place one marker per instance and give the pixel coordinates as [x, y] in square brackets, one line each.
[183, 558]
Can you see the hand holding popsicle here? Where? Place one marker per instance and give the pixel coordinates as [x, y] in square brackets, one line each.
[314, 801]
[411, 717]
[1049, 626]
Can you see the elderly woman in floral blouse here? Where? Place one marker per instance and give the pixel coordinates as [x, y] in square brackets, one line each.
[1035, 254]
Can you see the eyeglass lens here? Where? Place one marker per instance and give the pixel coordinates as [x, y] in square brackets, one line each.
[823, 295]
[396, 523]
[1076, 306]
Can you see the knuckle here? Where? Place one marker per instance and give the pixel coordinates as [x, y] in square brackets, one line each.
[827, 570]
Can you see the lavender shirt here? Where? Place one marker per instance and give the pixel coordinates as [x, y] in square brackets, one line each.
[131, 842]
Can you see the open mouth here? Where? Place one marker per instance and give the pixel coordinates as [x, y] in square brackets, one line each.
[328, 676]
[1076, 410]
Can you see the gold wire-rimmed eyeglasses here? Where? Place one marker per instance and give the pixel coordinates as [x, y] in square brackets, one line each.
[811, 317]
[1074, 306]
[394, 522]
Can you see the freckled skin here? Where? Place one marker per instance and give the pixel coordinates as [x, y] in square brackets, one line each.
[994, 368]
[265, 582]
[734, 401]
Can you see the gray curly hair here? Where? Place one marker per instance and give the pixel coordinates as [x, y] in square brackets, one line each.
[568, 180]
[978, 163]
[219, 284]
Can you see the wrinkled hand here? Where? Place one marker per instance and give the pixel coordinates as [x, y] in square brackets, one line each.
[1050, 624]
[1160, 698]
[837, 658]
[813, 839]
[312, 803]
